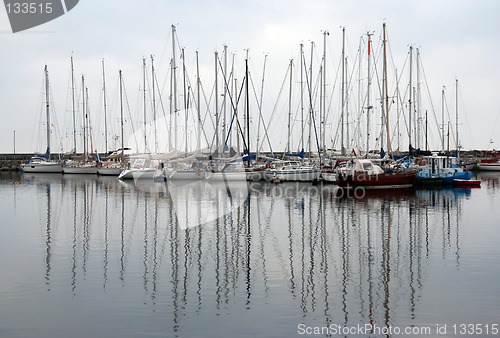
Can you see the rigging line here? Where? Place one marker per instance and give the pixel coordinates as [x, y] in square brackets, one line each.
[261, 118]
[429, 96]
[129, 114]
[311, 111]
[276, 103]
[464, 114]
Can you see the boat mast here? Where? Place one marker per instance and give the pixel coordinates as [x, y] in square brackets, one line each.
[302, 95]
[224, 107]
[105, 113]
[456, 117]
[47, 110]
[388, 136]
[442, 118]
[323, 117]
[217, 120]
[410, 101]
[290, 108]
[154, 103]
[121, 115]
[144, 102]
[84, 120]
[418, 99]
[343, 95]
[186, 99]
[347, 146]
[310, 90]
[368, 105]
[247, 109]
[198, 144]
[174, 87]
[73, 104]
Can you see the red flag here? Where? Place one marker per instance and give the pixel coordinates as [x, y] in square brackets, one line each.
[369, 46]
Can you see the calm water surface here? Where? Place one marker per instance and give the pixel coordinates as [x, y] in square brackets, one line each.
[96, 257]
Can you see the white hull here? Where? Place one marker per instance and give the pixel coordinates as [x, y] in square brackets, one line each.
[184, 175]
[227, 176]
[87, 170]
[489, 166]
[329, 177]
[49, 167]
[104, 171]
[136, 174]
[256, 175]
[297, 175]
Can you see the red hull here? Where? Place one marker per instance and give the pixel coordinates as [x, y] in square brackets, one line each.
[467, 183]
[378, 181]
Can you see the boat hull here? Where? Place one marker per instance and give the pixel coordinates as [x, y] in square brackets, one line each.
[377, 181]
[299, 175]
[136, 174]
[240, 176]
[467, 183]
[103, 171]
[80, 170]
[190, 175]
[489, 166]
[42, 168]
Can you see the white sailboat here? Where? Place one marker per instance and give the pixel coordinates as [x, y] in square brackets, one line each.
[114, 164]
[41, 163]
[82, 164]
[293, 171]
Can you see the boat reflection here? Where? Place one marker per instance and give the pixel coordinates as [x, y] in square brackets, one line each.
[203, 248]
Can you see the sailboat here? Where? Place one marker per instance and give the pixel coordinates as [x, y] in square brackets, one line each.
[81, 164]
[363, 173]
[146, 165]
[113, 164]
[41, 163]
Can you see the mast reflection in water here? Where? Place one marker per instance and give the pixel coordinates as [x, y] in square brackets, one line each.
[86, 256]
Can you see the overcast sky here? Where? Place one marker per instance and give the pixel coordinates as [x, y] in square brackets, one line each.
[457, 39]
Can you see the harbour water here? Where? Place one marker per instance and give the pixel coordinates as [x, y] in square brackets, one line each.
[98, 257]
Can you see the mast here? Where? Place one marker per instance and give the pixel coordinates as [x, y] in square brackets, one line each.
[456, 117]
[154, 103]
[47, 110]
[198, 144]
[388, 137]
[426, 125]
[217, 142]
[121, 115]
[84, 120]
[302, 94]
[247, 109]
[418, 99]
[323, 117]
[144, 102]
[224, 108]
[442, 117]
[311, 112]
[368, 105]
[185, 102]
[73, 104]
[105, 112]
[174, 87]
[290, 108]
[410, 101]
[348, 146]
[343, 95]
